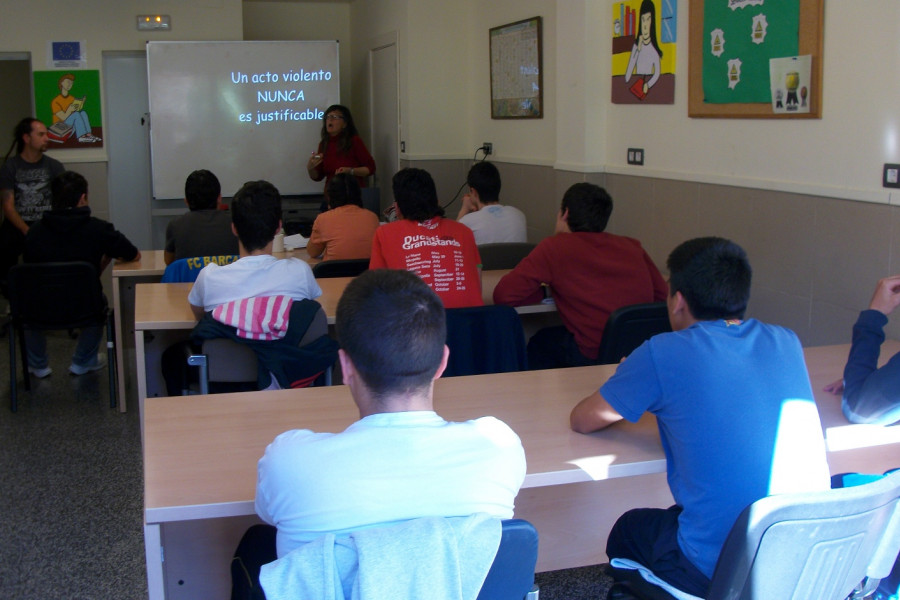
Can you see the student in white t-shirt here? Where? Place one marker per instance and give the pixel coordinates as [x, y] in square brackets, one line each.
[481, 211]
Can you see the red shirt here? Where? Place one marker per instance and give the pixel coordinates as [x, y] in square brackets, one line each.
[590, 276]
[334, 158]
[440, 251]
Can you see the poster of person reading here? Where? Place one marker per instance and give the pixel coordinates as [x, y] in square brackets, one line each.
[69, 103]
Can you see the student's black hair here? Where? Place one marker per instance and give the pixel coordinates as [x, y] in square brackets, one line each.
[343, 189]
[66, 189]
[485, 179]
[713, 274]
[21, 129]
[202, 190]
[256, 213]
[415, 194]
[647, 6]
[589, 207]
[393, 328]
[345, 137]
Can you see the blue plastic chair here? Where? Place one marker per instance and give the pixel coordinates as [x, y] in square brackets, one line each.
[185, 270]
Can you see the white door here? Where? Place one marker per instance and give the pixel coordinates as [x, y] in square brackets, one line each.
[127, 135]
[385, 117]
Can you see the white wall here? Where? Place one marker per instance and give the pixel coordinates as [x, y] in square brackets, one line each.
[109, 25]
[265, 20]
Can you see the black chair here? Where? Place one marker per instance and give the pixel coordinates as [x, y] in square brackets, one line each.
[340, 268]
[371, 199]
[485, 339]
[630, 326]
[504, 255]
[827, 545]
[57, 295]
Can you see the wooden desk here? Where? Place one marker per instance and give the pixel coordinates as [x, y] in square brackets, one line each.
[163, 308]
[125, 276]
[201, 454]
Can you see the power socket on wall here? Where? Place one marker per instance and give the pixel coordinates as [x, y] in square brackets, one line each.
[635, 156]
[488, 148]
[891, 176]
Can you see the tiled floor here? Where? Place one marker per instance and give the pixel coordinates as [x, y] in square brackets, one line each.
[71, 487]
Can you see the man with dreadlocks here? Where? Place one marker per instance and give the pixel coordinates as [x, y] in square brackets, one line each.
[24, 189]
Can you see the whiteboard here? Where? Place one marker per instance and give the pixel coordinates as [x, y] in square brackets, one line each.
[243, 110]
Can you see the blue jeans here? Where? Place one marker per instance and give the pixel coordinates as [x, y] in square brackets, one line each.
[79, 120]
[85, 351]
[555, 348]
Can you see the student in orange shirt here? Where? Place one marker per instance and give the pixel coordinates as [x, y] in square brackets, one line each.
[346, 230]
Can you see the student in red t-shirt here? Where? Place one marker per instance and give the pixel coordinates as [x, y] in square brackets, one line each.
[440, 251]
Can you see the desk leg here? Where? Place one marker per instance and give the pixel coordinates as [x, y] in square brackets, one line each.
[154, 555]
[120, 332]
[141, 376]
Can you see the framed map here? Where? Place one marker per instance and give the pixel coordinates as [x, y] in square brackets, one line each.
[517, 87]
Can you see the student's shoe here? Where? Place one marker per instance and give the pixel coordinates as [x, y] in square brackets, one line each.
[78, 370]
[40, 373]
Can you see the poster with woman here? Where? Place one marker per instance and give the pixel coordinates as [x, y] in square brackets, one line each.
[643, 52]
[69, 103]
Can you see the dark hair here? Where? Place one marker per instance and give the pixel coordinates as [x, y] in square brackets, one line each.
[21, 129]
[415, 194]
[256, 213]
[713, 274]
[343, 189]
[67, 189]
[344, 139]
[202, 190]
[485, 179]
[393, 328]
[647, 6]
[589, 207]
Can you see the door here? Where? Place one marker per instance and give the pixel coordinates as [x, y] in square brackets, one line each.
[385, 117]
[128, 139]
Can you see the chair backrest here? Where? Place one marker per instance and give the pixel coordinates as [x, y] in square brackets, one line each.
[511, 575]
[340, 268]
[228, 361]
[504, 255]
[630, 326]
[185, 270]
[815, 545]
[371, 199]
[485, 339]
[56, 295]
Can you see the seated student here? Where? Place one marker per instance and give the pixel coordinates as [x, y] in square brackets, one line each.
[255, 218]
[870, 394]
[481, 211]
[590, 272]
[440, 251]
[401, 460]
[735, 410]
[346, 230]
[204, 230]
[68, 232]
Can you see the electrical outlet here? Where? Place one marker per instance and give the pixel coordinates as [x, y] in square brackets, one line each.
[402, 146]
[891, 177]
[488, 148]
[635, 156]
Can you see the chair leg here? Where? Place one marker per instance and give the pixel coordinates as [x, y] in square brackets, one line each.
[111, 358]
[24, 355]
[13, 404]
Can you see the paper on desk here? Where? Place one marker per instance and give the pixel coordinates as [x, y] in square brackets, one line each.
[295, 241]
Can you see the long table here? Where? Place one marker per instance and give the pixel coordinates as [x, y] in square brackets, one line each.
[201, 453]
[163, 308]
[125, 276]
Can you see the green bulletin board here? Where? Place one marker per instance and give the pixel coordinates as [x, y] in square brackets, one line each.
[776, 29]
[785, 28]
